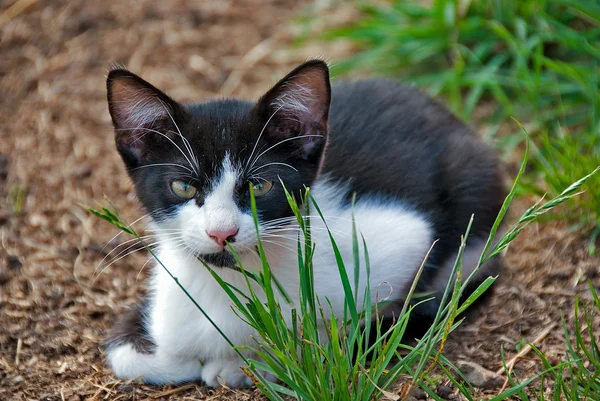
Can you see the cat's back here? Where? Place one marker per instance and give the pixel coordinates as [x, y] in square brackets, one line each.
[381, 105]
[389, 140]
[382, 133]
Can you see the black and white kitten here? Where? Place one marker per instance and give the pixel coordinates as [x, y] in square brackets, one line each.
[418, 174]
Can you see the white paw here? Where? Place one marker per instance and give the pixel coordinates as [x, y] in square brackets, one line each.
[229, 373]
[225, 372]
[127, 363]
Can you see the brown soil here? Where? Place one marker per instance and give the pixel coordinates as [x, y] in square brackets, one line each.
[57, 295]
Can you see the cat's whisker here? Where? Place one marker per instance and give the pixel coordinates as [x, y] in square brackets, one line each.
[143, 246]
[280, 244]
[257, 178]
[305, 217]
[292, 229]
[163, 164]
[121, 232]
[294, 250]
[260, 136]
[149, 130]
[281, 142]
[186, 143]
[272, 164]
[177, 245]
[138, 240]
[189, 251]
[119, 248]
[188, 147]
[278, 228]
[299, 232]
[190, 177]
[137, 277]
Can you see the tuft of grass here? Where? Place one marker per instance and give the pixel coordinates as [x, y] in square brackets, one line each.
[561, 161]
[16, 198]
[579, 379]
[317, 355]
[535, 60]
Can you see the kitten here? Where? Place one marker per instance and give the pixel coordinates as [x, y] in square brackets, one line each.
[418, 174]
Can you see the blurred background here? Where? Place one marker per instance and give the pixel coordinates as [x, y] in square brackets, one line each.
[64, 276]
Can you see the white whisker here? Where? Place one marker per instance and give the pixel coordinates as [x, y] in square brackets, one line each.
[170, 140]
[186, 143]
[273, 164]
[258, 139]
[163, 164]
[122, 244]
[283, 141]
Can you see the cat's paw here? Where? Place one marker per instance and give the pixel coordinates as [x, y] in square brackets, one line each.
[225, 372]
[229, 373]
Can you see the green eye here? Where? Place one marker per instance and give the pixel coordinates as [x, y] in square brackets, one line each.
[261, 188]
[183, 189]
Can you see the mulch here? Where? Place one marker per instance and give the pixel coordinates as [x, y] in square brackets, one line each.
[65, 277]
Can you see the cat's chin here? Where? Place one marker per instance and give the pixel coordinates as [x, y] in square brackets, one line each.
[220, 259]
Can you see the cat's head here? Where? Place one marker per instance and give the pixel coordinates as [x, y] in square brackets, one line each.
[193, 165]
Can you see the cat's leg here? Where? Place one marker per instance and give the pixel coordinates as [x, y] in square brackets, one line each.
[156, 368]
[161, 368]
[133, 354]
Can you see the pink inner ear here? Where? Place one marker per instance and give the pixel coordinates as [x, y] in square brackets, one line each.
[135, 106]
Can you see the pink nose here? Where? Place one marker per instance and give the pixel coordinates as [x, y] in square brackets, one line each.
[223, 236]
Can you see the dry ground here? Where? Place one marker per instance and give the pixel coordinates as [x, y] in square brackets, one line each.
[56, 151]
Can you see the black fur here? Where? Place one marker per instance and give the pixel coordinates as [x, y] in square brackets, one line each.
[130, 329]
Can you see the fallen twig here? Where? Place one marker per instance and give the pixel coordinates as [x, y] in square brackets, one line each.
[248, 61]
[18, 352]
[526, 349]
[173, 391]
[17, 8]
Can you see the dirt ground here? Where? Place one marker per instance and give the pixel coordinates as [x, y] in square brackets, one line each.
[57, 295]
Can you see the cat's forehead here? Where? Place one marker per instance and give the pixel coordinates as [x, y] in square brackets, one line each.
[222, 126]
[216, 136]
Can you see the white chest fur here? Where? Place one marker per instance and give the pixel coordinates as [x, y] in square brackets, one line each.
[397, 240]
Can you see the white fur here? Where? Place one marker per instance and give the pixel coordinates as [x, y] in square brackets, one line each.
[187, 345]
[295, 99]
[137, 107]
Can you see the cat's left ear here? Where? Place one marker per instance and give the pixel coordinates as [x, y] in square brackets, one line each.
[298, 107]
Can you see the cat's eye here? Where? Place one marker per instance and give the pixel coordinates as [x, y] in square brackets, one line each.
[183, 189]
[262, 187]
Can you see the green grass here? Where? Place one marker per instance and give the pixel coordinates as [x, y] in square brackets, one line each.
[16, 198]
[578, 376]
[334, 363]
[535, 60]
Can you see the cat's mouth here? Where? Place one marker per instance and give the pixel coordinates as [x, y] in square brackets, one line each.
[219, 259]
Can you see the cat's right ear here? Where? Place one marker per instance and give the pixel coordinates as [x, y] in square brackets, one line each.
[142, 115]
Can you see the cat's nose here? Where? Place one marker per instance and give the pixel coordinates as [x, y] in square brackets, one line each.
[223, 236]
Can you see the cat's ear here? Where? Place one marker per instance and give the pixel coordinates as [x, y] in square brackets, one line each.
[142, 115]
[298, 107]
